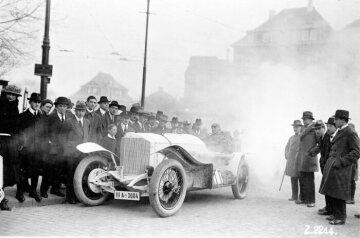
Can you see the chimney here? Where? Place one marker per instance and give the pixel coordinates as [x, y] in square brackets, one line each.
[271, 14]
[310, 5]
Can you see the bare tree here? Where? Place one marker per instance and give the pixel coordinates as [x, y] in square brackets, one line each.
[17, 18]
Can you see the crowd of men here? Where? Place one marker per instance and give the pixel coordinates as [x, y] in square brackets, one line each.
[42, 140]
[339, 147]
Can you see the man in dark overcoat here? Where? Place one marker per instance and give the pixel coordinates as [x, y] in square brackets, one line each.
[111, 117]
[56, 160]
[324, 145]
[30, 129]
[9, 125]
[77, 131]
[307, 161]
[336, 180]
[103, 106]
[94, 119]
[291, 151]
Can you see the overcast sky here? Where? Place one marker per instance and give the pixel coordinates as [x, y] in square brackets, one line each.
[84, 33]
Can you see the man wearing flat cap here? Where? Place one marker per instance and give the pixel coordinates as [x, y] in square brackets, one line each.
[291, 151]
[30, 130]
[9, 125]
[307, 161]
[344, 153]
[77, 131]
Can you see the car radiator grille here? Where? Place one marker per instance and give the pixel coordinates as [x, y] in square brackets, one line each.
[134, 155]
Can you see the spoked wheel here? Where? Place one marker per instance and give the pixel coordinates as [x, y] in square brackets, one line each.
[87, 192]
[167, 188]
[239, 189]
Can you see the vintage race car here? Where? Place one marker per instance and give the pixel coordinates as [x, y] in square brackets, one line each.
[162, 167]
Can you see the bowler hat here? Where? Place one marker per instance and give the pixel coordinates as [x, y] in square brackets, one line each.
[342, 114]
[114, 103]
[47, 101]
[122, 108]
[174, 120]
[135, 109]
[80, 105]
[297, 123]
[90, 97]
[163, 117]
[198, 121]
[35, 97]
[319, 124]
[331, 121]
[61, 100]
[103, 99]
[125, 114]
[12, 89]
[186, 123]
[307, 115]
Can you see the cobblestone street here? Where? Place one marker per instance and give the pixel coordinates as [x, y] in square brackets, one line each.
[264, 213]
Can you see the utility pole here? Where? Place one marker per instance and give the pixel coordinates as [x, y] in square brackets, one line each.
[44, 69]
[145, 56]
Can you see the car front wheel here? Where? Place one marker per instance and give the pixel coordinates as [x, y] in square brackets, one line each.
[167, 188]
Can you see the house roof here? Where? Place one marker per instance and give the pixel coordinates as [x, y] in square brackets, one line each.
[105, 80]
[291, 19]
[354, 24]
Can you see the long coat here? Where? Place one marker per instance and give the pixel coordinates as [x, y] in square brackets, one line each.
[306, 160]
[9, 124]
[31, 139]
[75, 135]
[106, 121]
[291, 152]
[96, 126]
[344, 153]
[324, 146]
[56, 135]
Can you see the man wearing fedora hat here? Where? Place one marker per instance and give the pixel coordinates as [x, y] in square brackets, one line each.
[324, 145]
[77, 131]
[307, 161]
[344, 153]
[56, 161]
[161, 128]
[30, 129]
[9, 124]
[103, 106]
[291, 151]
[111, 117]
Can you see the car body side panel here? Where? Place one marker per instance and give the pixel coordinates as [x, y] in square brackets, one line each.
[199, 175]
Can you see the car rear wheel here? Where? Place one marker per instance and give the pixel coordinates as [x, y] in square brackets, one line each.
[167, 188]
[88, 193]
[239, 189]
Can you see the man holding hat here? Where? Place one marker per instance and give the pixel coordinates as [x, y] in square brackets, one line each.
[77, 131]
[291, 151]
[344, 153]
[307, 161]
[9, 124]
[30, 144]
[103, 106]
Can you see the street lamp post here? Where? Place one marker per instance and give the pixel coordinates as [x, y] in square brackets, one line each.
[45, 70]
[145, 56]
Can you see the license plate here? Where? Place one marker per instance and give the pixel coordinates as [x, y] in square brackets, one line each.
[125, 195]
